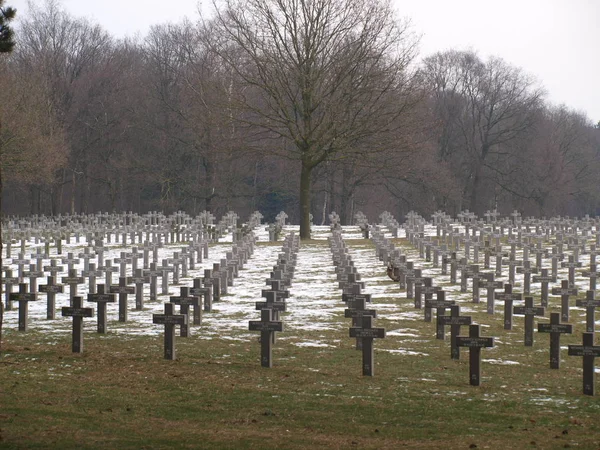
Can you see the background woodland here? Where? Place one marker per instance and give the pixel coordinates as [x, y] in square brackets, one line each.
[211, 115]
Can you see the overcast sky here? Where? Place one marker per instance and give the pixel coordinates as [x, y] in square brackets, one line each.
[557, 41]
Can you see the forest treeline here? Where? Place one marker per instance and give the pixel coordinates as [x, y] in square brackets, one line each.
[268, 107]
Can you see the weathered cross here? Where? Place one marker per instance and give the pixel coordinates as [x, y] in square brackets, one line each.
[491, 285]
[101, 298]
[367, 333]
[78, 312]
[474, 343]
[590, 304]
[51, 289]
[266, 325]
[170, 320]
[589, 351]
[455, 320]
[529, 311]
[23, 297]
[555, 328]
[185, 300]
[123, 290]
[544, 278]
[508, 297]
[565, 290]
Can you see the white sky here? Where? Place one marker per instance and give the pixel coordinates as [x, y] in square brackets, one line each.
[557, 41]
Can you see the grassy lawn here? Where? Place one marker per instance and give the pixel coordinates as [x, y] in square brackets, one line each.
[121, 393]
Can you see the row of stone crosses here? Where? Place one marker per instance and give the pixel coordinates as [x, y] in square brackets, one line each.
[499, 239]
[442, 251]
[210, 287]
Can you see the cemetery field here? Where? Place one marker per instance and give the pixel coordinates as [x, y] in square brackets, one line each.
[121, 392]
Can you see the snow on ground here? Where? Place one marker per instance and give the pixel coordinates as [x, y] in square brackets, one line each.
[314, 305]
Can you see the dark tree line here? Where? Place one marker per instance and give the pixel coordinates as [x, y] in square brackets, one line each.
[307, 106]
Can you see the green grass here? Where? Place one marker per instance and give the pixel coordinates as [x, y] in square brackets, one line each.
[120, 393]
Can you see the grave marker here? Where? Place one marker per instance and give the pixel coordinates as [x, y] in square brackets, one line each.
[51, 289]
[23, 297]
[267, 327]
[508, 297]
[185, 300]
[123, 290]
[78, 312]
[367, 333]
[170, 320]
[555, 328]
[455, 320]
[101, 298]
[474, 343]
[565, 290]
[529, 311]
[589, 351]
[590, 304]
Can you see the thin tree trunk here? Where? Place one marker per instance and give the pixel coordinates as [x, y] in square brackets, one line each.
[1, 251]
[305, 179]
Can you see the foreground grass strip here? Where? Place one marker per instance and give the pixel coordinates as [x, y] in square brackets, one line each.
[122, 394]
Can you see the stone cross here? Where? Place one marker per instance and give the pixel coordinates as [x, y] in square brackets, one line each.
[544, 278]
[101, 298]
[215, 281]
[138, 279]
[491, 285]
[51, 289]
[170, 320]
[589, 351]
[426, 290]
[571, 265]
[9, 281]
[565, 291]
[123, 261]
[529, 311]
[73, 280]
[78, 312]
[108, 270]
[367, 333]
[33, 275]
[20, 261]
[266, 325]
[527, 270]
[70, 261]
[592, 274]
[474, 343]
[590, 304]
[123, 290]
[23, 297]
[92, 273]
[411, 280]
[153, 273]
[508, 297]
[440, 304]
[185, 300]
[205, 291]
[455, 320]
[555, 328]
[357, 308]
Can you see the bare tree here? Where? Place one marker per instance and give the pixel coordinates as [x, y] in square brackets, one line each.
[66, 51]
[324, 74]
[6, 46]
[482, 106]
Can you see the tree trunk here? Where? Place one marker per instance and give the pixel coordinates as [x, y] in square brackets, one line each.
[305, 179]
[1, 250]
[473, 206]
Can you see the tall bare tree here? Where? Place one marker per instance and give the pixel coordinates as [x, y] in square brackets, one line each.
[324, 74]
[482, 107]
[6, 46]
